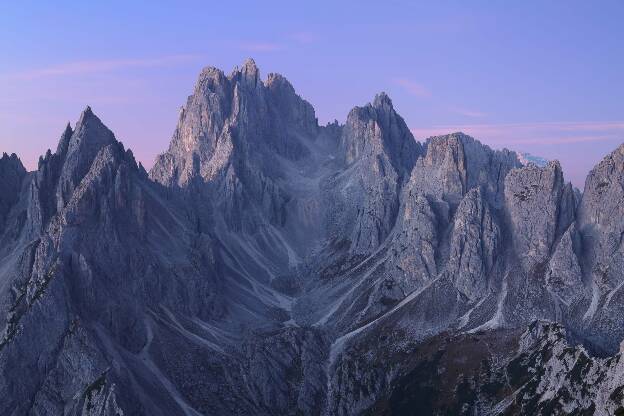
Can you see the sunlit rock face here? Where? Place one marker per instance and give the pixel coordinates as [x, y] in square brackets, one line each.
[269, 265]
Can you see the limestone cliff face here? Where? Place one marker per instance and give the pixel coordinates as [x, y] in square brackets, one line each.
[232, 134]
[81, 148]
[537, 201]
[376, 130]
[474, 247]
[600, 223]
[379, 152]
[268, 265]
[456, 163]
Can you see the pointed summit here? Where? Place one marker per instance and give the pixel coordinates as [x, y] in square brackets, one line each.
[604, 192]
[539, 209]
[250, 74]
[63, 144]
[226, 116]
[10, 158]
[89, 126]
[249, 66]
[87, 139]
[12, 173]
[383, 101]
[86, 115]
[377, 128]
[213, 80]
[455, 163]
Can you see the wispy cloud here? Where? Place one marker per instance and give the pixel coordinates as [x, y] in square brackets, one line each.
[98, 66]
[544, 133]
[261, 46]
[304, 37]
[468, 113]
[579, 145]
[412, 87]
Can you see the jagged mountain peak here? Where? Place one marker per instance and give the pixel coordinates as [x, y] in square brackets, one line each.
[601, 209]
[540, 207]
[335, 262]
[612, 164]
[376, 129]
[11, 164]
[87, 138]
[554, 165]
[383, 101]
[227, 117]
[212, 78]
[619, 150]
[380, 104]
[68, 129]
[454, 145]
[247, 75]
[250, 70]
[455, 163]
[250, 63]
[278, 83]
[209, 72]
[455, 137]
[88, 118]
[275, 78]
[12, 172]
[464, 140]
[76, 152]
[63, 143]
[248, 67]
[10, 158]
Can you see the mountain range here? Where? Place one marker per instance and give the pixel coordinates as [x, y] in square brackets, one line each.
[269, 265]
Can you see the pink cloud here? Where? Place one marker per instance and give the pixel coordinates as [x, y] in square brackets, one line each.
[412, 87]
[97, 66]
[468, 113]
[578, 145]
[546, 133]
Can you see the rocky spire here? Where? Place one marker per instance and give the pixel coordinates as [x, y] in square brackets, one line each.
[377, 129]
[63, 143]
[455, 163]
[250, 74]
[227, 117]
[604, 191]
[12, 173]
[474, 246]
[536, 200]
[295, 111]
[600, 222]
[89, 136]
[314, 257]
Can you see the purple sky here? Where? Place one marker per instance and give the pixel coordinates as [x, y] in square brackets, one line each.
[541, 77]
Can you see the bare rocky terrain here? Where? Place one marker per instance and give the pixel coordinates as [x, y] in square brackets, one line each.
[268, 265]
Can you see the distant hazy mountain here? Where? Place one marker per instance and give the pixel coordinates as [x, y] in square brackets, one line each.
[526, 158]
[268, 265]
